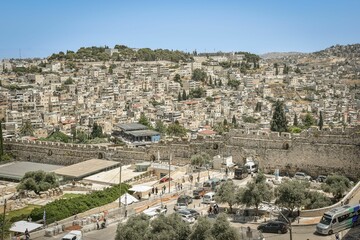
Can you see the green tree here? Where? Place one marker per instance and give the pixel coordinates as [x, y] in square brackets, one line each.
[144, 120]
[308, 120]
[248, 119]
[337, 185]
[202, 230]
[160, 127]
[227, 194]
[296, 123]
[184, 97]
[175, 129]
[197, 93]
[317, 200]
[291, 195]
[321, 121]
[1, 141]
[258, 107]
[96, 131]
[179, 97]
[225, 122]
[276, 66]
[169, 227]
[286, 69]
[5, 221]
[222, 230]
[279, 122]
[297, 70]
[200, 159]
[177, 78]
[233, 121]
[134, 229]
[255, 192]
[27, 129]
[69, 81]
[294, 129]
[38, 181]
[199, 75]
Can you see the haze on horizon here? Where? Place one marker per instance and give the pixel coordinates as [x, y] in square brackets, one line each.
[40, 28]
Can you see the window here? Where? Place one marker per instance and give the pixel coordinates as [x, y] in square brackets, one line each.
[344, 217]
[334, 220]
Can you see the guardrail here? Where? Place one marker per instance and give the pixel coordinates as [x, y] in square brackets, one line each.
[320, 211]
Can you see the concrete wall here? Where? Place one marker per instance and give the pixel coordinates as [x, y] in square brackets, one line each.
[313, 151]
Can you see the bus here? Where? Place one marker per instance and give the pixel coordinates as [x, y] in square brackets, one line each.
[240, 172]
[339, 219]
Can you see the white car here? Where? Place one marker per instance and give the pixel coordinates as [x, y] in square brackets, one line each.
[179, 206]
[154, 211]
[73, 235]
[302, 176]
[187, 218]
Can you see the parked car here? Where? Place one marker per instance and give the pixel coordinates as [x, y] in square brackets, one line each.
[185, 199]
[199, 193]
[194, 213]
[321, 178]
[179, 206]
[302, 176]
[273, 227]
[165, 179]
[187, 218]
[73, 235]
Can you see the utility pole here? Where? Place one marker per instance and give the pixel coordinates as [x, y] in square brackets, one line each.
[120, 186]
[3, 224]
[169, 172]
[289, 222]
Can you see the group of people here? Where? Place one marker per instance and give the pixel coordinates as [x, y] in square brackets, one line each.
[103, 224]
[179, 186]
[214, 209]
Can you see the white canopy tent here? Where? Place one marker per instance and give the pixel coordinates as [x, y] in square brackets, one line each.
[21, 226]
[140, 188]
[127, 199]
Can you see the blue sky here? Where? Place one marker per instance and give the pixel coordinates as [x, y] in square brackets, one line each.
[42, 27]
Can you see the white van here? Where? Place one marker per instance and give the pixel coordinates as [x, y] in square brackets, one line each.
[209, 197]
[251, 166]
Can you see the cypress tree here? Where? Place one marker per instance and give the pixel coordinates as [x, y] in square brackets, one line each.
[184, 97]
[233, 121]
[1, 141]
[321, 121]
[296, 123]
[279, 122]
[179, 97]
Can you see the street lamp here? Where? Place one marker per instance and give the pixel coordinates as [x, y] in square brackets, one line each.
[289, 222]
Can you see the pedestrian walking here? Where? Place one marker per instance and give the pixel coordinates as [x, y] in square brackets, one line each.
[181, 186]
[337, 236]
[153, 190]
[156, 190]
[97, 224]
[27, 234]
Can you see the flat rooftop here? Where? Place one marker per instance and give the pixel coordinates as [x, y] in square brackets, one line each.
[132, 126]
[112, 176]
[16, 170]
[142, 133]
[86, 168]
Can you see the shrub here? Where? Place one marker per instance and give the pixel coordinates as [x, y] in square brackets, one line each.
[64, 208]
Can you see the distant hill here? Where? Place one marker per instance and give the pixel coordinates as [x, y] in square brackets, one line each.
[347, 51]
[121, 53]
[273, 55]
